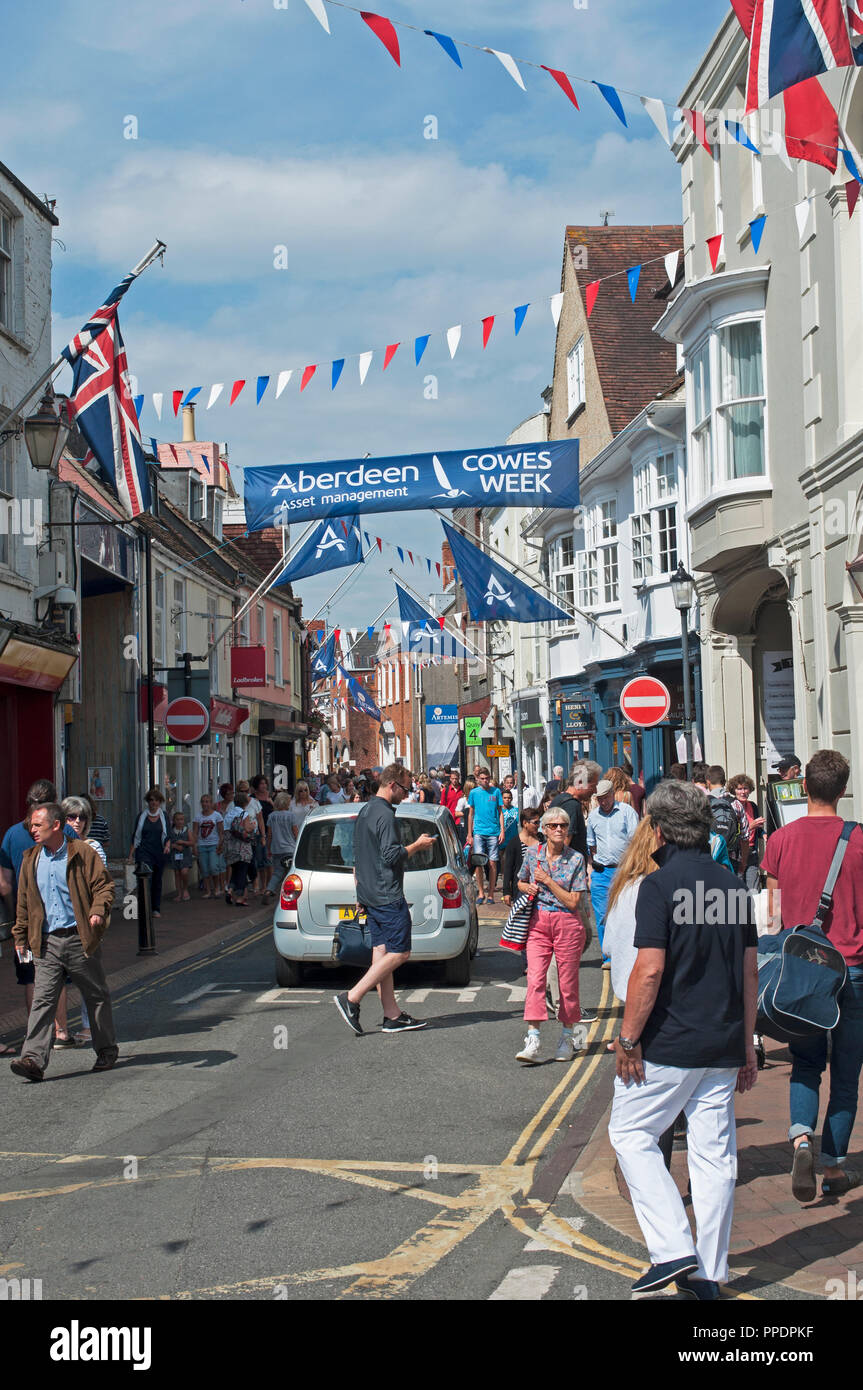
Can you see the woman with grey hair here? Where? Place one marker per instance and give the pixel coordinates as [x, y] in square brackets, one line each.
[554, 876]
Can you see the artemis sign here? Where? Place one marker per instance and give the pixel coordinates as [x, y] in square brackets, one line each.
[274, 496]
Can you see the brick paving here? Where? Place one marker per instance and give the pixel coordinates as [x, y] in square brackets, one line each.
[774, 1239]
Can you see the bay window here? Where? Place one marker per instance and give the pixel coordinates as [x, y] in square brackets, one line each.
[727, 403]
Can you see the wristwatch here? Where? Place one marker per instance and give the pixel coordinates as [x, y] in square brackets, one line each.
[628, 1044]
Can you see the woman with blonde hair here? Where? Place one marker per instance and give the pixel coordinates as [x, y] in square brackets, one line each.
[619, 780]
[636, 864]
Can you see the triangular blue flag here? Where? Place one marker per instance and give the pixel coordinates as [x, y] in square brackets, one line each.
[139, 405]
[423, 632]
[338, 368]
[428, 562]
[263, 383]
[520, 313]
[492, 591]
[190, 395]
[154, 447]
[370, 632]
[420, 345]
[329, 547]
[613, 100]
[447, 45]
[632, 276]
[401, 553]
[849, 164]
[756, 228]
[368, 538]
[736, 129]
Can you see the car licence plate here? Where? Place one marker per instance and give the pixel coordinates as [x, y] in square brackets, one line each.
[352, 914]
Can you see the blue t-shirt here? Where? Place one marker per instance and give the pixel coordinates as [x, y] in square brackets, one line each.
[17, 841]
[510, 824]
[487, 806]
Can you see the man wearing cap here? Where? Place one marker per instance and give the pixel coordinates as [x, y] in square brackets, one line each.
[788, 768]
[610, 827]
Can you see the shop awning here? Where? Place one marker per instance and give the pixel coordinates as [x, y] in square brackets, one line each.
[24, 660]
[226, 718]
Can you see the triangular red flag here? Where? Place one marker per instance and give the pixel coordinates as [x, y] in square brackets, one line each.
[390, 354]
[235, 391]
[442, 622]
[437, 567]
[590, 293]
[380, 547]
[811, 124]
[308, 373]
[487, 326]
[852, 193]
[337, 632]
[713, 245]
[386, 629]
[563, 82]
[411, 556]
[695, 121]
[178, 396]
[385, 32]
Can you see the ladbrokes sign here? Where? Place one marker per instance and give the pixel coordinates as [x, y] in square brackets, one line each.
[532, 477]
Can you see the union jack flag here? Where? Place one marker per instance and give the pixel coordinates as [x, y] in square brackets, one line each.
[101, 404]
[791, 40]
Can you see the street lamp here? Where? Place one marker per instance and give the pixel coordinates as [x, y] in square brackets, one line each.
[45, 433]
[683, 591]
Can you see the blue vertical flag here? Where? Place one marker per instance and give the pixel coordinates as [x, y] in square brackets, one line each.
[323, 663]
[422, 630]
[493, 592]
[332, 545]
[360, 697]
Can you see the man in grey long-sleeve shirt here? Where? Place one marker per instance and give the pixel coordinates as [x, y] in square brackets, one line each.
[380, 859]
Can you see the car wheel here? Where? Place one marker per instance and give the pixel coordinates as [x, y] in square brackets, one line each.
[288, 972]
[457, 970]
[473, 939]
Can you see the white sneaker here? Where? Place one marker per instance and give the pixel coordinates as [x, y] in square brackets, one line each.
[566, 1048]
[530, 1051]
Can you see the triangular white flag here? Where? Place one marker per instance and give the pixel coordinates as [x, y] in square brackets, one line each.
[801, 212]
[317, 9]
[365, 363]
[510, 65]
[556, 305]
[354, 631]
[284, 378]
[157, 404]
[671, 266]
[657, 113]
[215, 393]
[453, 338]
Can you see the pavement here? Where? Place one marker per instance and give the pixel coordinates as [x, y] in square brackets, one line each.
[551, 1220]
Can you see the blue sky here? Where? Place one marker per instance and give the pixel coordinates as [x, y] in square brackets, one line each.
[256, 130]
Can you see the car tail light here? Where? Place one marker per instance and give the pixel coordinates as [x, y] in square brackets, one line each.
[291, 890]
[448, 887]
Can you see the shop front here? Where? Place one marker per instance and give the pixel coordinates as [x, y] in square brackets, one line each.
[281, 748]
[33, 667]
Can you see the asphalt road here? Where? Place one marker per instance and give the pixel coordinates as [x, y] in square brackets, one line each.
[249, 1146]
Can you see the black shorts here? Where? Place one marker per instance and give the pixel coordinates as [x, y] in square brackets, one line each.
[390, 926]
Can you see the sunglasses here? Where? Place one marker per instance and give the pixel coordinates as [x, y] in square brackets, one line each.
[556, 825]
[76, 815]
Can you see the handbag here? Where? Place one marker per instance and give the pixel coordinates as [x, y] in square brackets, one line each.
[352, 943]
[515, 933]
[800, 971]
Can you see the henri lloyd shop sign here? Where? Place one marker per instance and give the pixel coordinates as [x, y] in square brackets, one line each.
[274, 496]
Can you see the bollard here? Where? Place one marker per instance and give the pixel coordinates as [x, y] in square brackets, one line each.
[146, 935]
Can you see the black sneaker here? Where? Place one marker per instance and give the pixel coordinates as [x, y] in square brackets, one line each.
[403, 1024]
[349, 1012]
[588, 1016]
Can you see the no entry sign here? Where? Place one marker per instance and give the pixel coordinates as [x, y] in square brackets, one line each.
[645, 701]
[186, 720]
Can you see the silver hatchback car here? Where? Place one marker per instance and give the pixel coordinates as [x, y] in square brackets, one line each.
[319, 891]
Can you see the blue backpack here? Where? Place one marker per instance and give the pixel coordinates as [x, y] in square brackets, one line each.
[801, 973]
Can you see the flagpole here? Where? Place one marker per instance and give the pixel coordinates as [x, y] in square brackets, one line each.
[340, 586]
[262, 588]
[156, 250]
[535, 581]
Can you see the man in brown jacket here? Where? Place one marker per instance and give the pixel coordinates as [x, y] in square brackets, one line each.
[64, 903]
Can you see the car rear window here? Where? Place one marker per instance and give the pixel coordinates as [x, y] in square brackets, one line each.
[328, 845]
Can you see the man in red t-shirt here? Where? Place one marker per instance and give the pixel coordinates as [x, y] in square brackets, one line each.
[451, 794]
[796, 862]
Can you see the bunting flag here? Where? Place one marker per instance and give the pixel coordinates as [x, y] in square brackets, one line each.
[658, 114]
[420, 345]
[359, 696]
[714, 244]
[613, 100]
[385, 31]
[364, 364]
[801, 213]
[697, 124]
[811, 124]
[852, 193]
[736, 129]
[519, 316]
[157, 404]
[487, 326]
[307, 376]
[493, 592]
[508, 62]
[176, 399]
[215, 392]
[318, 10]
[139, 406]
[563, 83]
[235, 391]
[556, 305]
[633, 275]
[422, 631]
[190, 395]
[284, 378]
[331, 546]
[671, 263]
[453, 338]
[447, 45]
[390, 354]
[261, 386]
[590, 293]
[849, 162]
[338, 368]
[756, 231]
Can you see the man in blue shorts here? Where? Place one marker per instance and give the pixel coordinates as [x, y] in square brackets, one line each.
[380, 860]
[485, 831]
